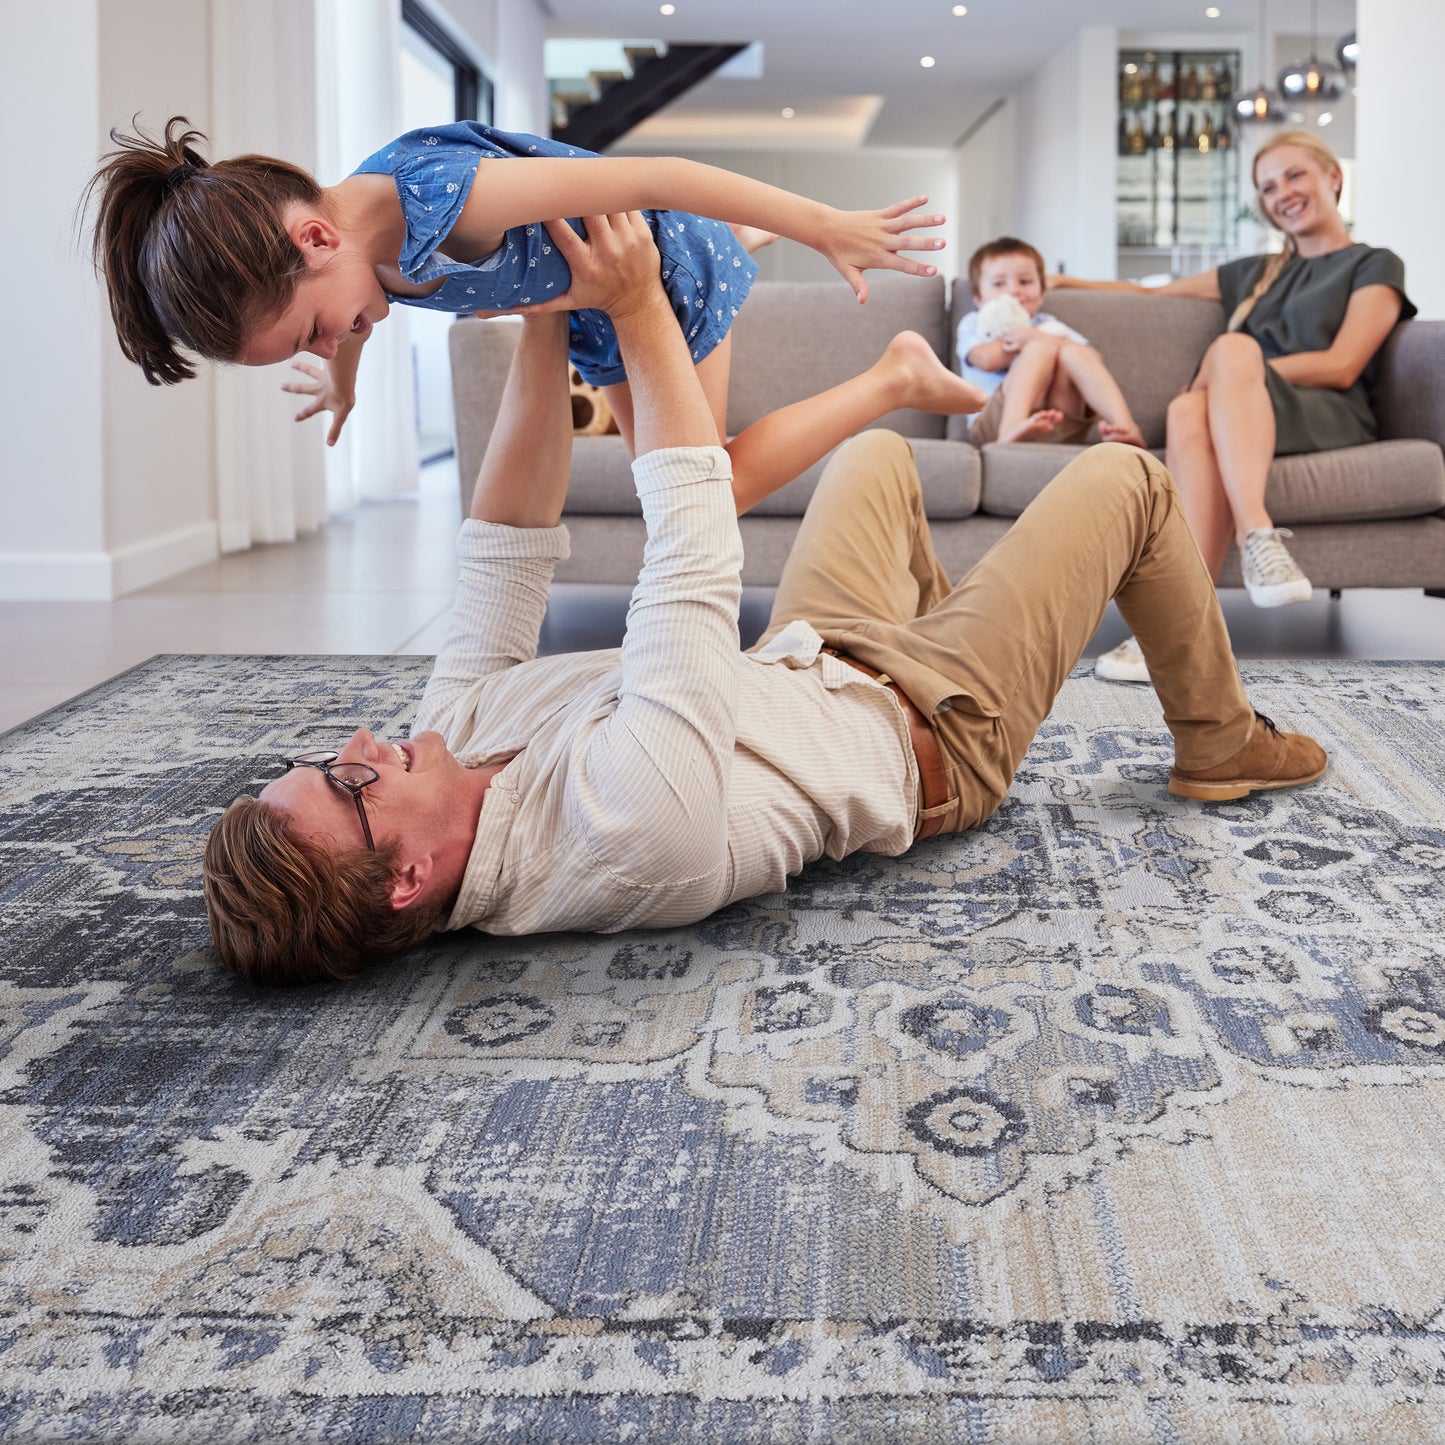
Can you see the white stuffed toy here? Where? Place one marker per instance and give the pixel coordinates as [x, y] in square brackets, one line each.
[1004, 314]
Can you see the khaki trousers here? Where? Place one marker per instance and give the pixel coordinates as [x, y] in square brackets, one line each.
[985, 660]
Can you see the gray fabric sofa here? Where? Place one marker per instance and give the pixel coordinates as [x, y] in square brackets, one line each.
[1371, 516]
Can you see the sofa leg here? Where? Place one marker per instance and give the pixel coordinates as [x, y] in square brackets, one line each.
[1435, 591]
[1334, 594]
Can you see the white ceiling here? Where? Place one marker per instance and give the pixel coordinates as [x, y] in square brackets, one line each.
[828, 57]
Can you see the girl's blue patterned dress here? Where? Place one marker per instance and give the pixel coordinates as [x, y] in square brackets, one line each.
[706, 271]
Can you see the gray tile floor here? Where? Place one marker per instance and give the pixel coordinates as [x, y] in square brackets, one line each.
[380, 581]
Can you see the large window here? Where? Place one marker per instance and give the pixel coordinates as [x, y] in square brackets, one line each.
[434, 48]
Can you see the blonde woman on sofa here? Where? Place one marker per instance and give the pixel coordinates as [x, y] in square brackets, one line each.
[1292, 373]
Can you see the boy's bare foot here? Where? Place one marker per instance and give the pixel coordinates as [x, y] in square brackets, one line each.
[1131, 436]
[1035, 428]
[753, 238]
[923, 382]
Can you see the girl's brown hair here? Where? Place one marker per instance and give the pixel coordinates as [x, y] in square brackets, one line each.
[1323, 157]
[286, 910]
[194, 254]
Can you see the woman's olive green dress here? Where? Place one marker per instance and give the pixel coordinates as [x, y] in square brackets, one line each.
[1303, 311]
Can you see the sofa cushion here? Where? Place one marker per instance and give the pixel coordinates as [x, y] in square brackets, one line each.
[1383, 479]
[601, 482]
[794, 339]
[1151, 344]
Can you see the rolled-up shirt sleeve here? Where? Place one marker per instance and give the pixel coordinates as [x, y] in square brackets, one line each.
[653, 780]
[506, 574]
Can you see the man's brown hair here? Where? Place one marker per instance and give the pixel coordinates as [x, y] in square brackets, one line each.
[284, 909]
[194, 254]
[1004, 246]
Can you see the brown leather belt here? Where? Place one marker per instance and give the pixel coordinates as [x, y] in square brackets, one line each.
[932, 775]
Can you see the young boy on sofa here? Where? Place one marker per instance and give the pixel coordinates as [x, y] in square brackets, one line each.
[1046, 382]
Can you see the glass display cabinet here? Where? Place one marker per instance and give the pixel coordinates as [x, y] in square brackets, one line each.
[1178, 170]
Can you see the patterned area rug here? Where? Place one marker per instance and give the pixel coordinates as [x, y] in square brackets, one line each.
[1120, 1120]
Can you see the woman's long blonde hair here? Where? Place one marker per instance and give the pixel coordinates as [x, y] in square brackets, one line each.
[1327, 161]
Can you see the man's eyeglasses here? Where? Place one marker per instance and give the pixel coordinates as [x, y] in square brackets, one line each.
[349, 777]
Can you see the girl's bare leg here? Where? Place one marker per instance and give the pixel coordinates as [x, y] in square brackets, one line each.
[1085, 368]
[1241, 426]
[780, 446]
[1189, 455]
[619, 398]
[753, 238]
[712, 372]
[785, 443]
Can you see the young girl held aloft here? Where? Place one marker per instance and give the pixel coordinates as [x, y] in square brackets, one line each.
[249, 260]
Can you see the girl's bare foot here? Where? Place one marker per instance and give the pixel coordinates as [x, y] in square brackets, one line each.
[1035, 428]
[923, 382]
[1130, 435]
[753, 238]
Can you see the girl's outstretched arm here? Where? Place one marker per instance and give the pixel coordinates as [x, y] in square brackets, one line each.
[853, 241]
[332, 389]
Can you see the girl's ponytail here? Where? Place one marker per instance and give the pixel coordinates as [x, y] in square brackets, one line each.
[193, 254]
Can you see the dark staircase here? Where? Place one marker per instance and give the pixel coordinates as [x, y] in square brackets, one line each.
[616, 102]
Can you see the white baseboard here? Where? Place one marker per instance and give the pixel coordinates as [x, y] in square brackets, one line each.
[100, 576]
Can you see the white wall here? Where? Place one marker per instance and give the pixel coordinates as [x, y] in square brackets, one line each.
[988, 184]
[109, 482]
[112, 484]
[1067, 118]
[159, 479]
[1400, 201]
[50, 400]
[506, 38]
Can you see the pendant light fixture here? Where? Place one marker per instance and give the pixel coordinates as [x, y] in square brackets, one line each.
[1347, 52]
[1308, 80]
[1260, 104]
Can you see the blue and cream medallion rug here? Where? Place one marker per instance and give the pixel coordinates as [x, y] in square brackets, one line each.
[1122, 1119]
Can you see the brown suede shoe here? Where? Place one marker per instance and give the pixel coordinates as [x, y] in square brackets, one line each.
[1270, 759]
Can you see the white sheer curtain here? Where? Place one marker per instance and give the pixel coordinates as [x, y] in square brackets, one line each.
[271, 482]
[358, 109]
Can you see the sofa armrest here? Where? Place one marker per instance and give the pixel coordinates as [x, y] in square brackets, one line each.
[1409, 396]
[481, 356]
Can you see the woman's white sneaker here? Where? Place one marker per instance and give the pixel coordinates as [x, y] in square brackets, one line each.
[1270, 573]
[1124, 663]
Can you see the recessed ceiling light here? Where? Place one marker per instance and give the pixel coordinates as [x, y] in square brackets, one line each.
[668, 9]
[960, 10]
[1212, 13]
[928, 62]
[788, 112]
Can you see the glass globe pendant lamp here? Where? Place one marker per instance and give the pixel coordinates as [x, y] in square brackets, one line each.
[1260, 105]
[1308, 80]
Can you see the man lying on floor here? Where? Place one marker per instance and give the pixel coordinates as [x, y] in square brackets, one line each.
[647, 787]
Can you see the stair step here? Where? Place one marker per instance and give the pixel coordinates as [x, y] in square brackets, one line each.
[604, 80]
[640, 55]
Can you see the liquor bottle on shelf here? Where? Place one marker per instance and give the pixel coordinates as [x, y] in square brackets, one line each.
[1138, 141]
[1204, 140]
[1188, 84]
[1166, 136]
[1123, 146]
[1208, 86]
[1224, 137]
